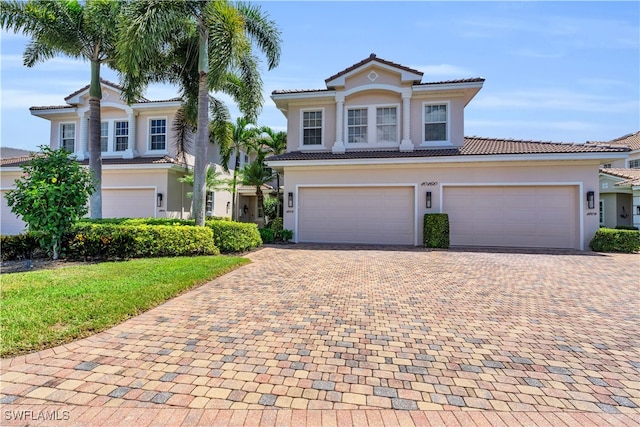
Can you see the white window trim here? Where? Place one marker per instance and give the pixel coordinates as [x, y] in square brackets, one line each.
[322, 145]
[166, 139]
[372, 126]
[113, 139]
[75, 135]
[632, 160]
[444, 143]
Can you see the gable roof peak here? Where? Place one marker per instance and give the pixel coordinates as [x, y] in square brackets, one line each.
[413, 74]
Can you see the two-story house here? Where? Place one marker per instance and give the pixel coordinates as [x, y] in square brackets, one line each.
[140, 164]
[620, 185]
[377, 148]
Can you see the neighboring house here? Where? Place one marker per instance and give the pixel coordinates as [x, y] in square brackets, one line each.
[376, 149]
[140, 165]
[8, 152]
[620, 185]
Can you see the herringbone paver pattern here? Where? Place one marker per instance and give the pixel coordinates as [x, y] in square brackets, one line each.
[361, 336]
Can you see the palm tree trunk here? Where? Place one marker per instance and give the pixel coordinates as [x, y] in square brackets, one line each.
[202, 133]
[95, 151]
[260, 197]
[234, 192]
[278, 195]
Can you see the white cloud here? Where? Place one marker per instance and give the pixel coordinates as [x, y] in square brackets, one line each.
[22, 99]
[531, 53]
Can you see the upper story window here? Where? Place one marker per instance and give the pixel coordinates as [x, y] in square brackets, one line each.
[122, 136]
[634, 164]
[312, 127]
[68, 136]
[372, 125]
[436, 122]
[357, 125]
[158, 134]
[104, 136]
[606, 166]
[387, 124]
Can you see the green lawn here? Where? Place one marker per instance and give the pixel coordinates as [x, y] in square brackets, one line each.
[41, 309]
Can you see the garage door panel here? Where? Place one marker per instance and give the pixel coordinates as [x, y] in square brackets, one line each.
[382, 215]
[522, 216]
[128, 203]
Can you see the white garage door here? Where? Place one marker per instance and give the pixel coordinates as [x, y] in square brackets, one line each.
[9, 223]
[376, 215]
[531, 217]
[128, 203]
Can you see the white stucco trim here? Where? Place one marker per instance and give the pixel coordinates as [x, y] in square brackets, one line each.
[372, 126]
[400, 184]
[580, 185]
[141, 187]
[376, 86]
[447, 86]
[405, 75]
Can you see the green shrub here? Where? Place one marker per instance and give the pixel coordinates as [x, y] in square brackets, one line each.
[610, 240]
[231, 236]
[115, 241]
[21, 246]
[436, 231]
[286, 235]
[267, 235]
[276, 225]
[626, 227]
[138, 221]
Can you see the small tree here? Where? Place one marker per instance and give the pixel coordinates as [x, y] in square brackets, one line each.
[52, 195]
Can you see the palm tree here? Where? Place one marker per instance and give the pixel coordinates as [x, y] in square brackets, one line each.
[215, 181]
[255, 175]
[203, 46]
[276, 143]
[245, 138]
[86, 30]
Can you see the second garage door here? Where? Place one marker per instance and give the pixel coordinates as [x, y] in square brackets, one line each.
[129, 203]
[370, 215]
[516, 216]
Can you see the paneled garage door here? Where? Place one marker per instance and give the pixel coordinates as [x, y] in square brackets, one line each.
[128, 203]
[518, 216]
[9, 223]
[376, 215]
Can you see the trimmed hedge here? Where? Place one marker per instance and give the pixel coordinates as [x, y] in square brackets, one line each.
[610, 240]
[230, 236]
[267, 235]
[21, 246]
[436, 231]
[109, 241]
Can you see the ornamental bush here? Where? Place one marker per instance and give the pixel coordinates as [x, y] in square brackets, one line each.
[436, 231]
[267, 235]
[116, 241]
[610, 240]
[51, 196]
[231, 236]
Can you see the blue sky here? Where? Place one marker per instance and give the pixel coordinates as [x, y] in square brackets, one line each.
[559, 71]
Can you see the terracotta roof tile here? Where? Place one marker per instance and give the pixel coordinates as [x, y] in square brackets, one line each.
[372, 57]
[281, 91]
[19, 161]
[630, 176]
[51, 107]
[447, 82]
[473, 146]
[631, 140]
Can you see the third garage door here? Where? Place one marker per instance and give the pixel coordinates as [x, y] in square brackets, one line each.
[372, 215]
[515, 216]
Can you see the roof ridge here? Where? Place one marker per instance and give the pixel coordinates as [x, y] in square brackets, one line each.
[370, 58]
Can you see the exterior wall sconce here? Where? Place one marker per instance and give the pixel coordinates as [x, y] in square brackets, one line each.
[428, 199]
[159, 200]
[228, 206]
[591, 199]
[290, 199]
[637, 210]
[245, 209]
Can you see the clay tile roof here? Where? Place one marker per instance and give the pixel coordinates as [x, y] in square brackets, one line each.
[19, 161]
[445, 82]
[281, 91]
[51, 107]
[103, 81]
[373, 57]
[630, 176]
[473, 146]
[631, 140]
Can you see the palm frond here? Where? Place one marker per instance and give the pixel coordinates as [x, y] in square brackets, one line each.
[263, 31]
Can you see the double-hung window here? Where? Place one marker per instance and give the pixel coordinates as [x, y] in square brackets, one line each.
[634, 164]
[68, 136]
[104, 136]
[158, 134]
[122, 136]
[435, 122]
[312, 128]
[357, 125]
[386, 124]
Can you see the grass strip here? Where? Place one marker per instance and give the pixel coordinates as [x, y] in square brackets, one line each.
[45, 308]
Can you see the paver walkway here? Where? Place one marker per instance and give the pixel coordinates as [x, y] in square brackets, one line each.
[318, 335]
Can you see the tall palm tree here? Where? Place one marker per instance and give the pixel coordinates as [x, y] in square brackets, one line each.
[256, 175]
[165, 40]
[276, 143]
[84, 30]
[245, 138]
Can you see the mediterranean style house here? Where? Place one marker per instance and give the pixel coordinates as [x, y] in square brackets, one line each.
[377, 148]
[620, 186]
[140, 164]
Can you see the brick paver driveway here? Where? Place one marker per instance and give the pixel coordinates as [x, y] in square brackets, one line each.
[345, 334]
